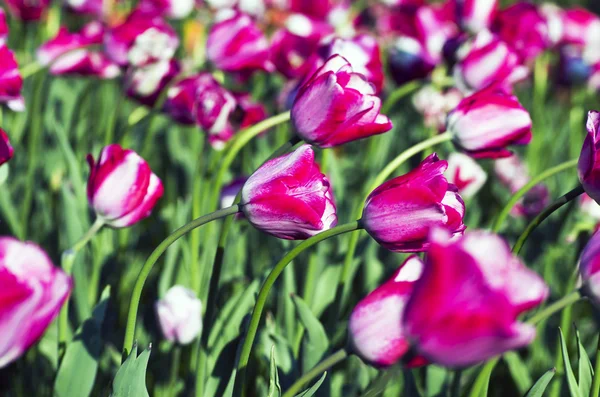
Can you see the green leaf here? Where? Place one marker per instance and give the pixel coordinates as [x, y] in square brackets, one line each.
[538, 389]
[482, 383]
[586, 371]
[571, 381]
[313, 389]
[130, 380]
[518, 371]
[274, 387]
[315, 341]
[77, 372]
[436, 381]
[3, 173]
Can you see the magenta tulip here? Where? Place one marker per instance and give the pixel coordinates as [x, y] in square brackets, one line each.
[400, 212]
[435, 104]
[6, 150]
[337, 105]
[145, 83]
[580, 27]
[33, 292]
[588, 167]
[589, 268]
[476, 15]
[176, 9]
[288, 197]
[465, 174]
[180, 315]
[375, 328]
[122, 188]
[3, 26]
[27, 10]
[512, 172]
[11, 82]
[465, 307]
[483, 124]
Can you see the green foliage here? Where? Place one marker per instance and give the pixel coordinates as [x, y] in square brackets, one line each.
[538, 389]
[130, 380]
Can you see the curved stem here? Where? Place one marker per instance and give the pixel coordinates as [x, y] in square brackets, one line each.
[152, 259]
[521, 192]
[266, 288]
[595, 391]
[545, 214]
[323, 366]
[398, 94]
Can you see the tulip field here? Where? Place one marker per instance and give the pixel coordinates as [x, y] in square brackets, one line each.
[294, 198]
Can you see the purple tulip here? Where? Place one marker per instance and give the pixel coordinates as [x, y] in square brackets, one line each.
[11, 82]
[6, 150]
[588, 167]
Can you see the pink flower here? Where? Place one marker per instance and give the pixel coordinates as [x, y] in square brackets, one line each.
[11, 82]
[524, 28]
[337, 105]
[588, 167]
[484, 123]
[236, 44]
[362, 52]
[122, 188]
[434, 105]
[534, 201]
[512, 172]
[486, 61]
[3, 26]
[176, 9]
[400, 212]
[6, 150]
[33, 291]
[91, 7]
[465, 174]
[288, 197]
[476, 15]
[250, 112]
[145, 83]
[589, 267]
[589, 207]
[465, 307]
[318, 9]
[27, 10]
[408, 60]
[142, 39]
[375, 328]
[435, 25]
[580, 27]
[67, 53]
[180, 315]
[255, 8]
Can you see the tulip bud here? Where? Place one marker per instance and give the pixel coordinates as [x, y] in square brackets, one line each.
[408, 60]
[435, 25]
[288, 197]
[466, 174]
[483, 124]
[400, 213]
[145, 83]
[176, 9]
[588, 167]
[121, 187]
[375, 327]
[236, 44]
[434, 105]
[11, 82]
[582, 28]
[180, 315]
[337, 105]
[6, 150]
[33, 294]
[465, 307]
[512, 172]
[476, 15]
[28, 10]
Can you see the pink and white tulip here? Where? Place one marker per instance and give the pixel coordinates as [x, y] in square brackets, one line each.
[400, 213]
[288, 197]
[27, 10]
[588, 167]
[122, 189]
[6, 150]
[589, 207]
[589, 268]
[180, 315]
[483, 124]
[87, 7]
[435, 105]
[3, 27]
[580, 27]
[11, 82]
[465, 174]
[435, 25]
[408, 60]
[236, 44]
[176, 9]
[337, 105]
[145, 83]
[375, 328]
[476, 15]
[33, 292]
[465, 307]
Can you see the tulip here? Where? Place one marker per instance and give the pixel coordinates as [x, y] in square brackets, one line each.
[337, 105]
[180, 315]
[486, 61]
[400, 212]
[580, 27]
[122, 189]
[476, 15]
[67, 53]
[408, 60]
[27, 10]
[589, 266]
[572, 67]
[434, 105]
[176, 9]
[3, 27]
[465, 307]
[288, 197]
[435, 25]
[6, 150]
[317, 10]
[250, 112]
[589, 207]
[588, 167]
[250, 7]
[375, 327]
[553, 16]
[230, 191]
[483, 124]
[143, 38]
[147, 82]
[534, 201]
[87, 7]
[236, 44]
[465, 174]
[33, 294]
[512, 172]
[11, 82]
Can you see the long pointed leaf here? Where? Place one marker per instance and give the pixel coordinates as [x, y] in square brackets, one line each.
[586, 371]
[571, 381]
[538, 389]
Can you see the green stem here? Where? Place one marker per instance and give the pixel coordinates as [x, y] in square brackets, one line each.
[398, 94]
[109, 133]
[152, 259]
[174, 370]
[323, 366]
[197, 184]
[266, 288]
[521, 192]
[595, 392]
[545, 214]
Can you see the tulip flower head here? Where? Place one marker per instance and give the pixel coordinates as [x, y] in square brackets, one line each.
[589, 268]
[122, 188]
[465, 174]
[288, 197]
[34, 291]
[476, 15]
[27, 10]
[375, 327]
[176, 9]
[145, 83]
[465, 307]
[400, 212]
[337, 105]
[180, 315]
[588, 167]
[6, 150]
[11, 82]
